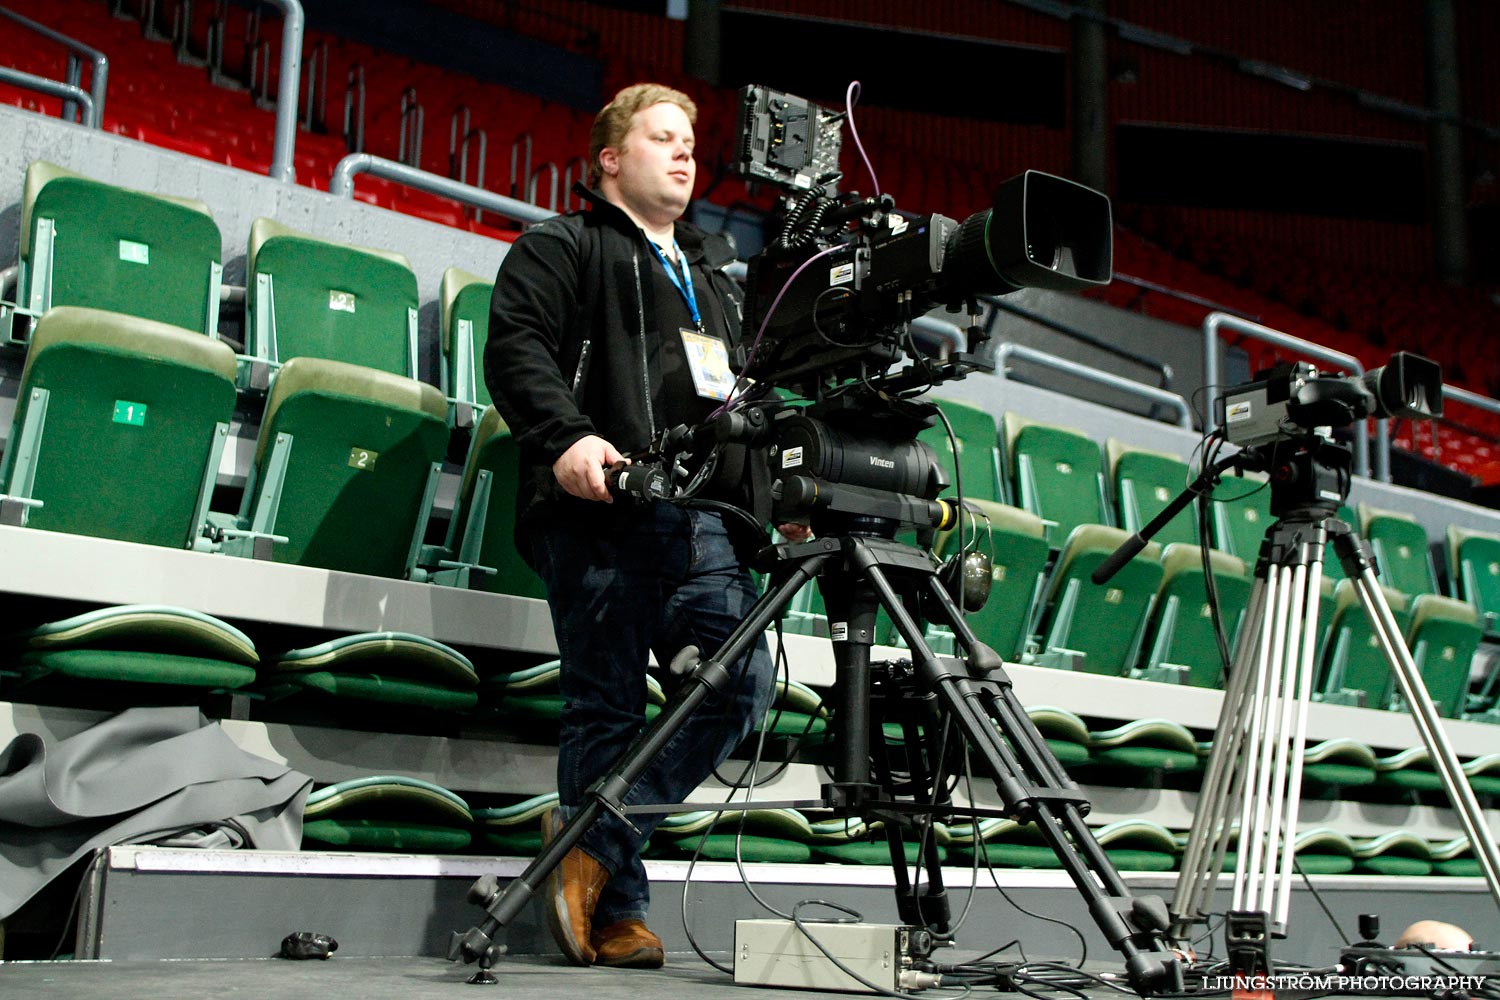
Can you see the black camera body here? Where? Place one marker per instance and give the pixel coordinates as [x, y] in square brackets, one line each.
[827, 302]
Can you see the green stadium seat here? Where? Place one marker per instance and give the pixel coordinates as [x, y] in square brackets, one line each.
[1339, 763]
[514, 830]
[376, 668]
[131, 654]
[1016, 544]
[1138, 845]
[464, 301]
[1454, 857]
[1318, 851]
[90, 244]
[1399, 852]
[1056, 473]
[1354, 667]
[1443, 636]
[1001, 843]
[1181, 646]
[118, 429]
[1145, 745]
[482, 529]
[1400, 545]
[315, 298]
[978, 460]
[345, 469]
[530, 699]
[853, 841]
[1144, 483]
[1066, 734]
[1103, 623]
[1474, 562]
[388, 813]
[1241, 513]
[768, 835]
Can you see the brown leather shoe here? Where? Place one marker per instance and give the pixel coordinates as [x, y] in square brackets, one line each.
[572, 893]
[628, 944]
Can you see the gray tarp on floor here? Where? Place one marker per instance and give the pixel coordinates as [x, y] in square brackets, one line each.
[145, 775]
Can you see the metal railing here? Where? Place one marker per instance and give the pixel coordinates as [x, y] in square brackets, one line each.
[52, 88]
[98, 80]
[1215, 321]
[1009, 350]
[342, 185]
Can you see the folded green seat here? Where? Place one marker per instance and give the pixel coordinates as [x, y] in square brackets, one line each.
[387, 813]
[385, 668]
[1318, 851]
[531, 699]
[1340, 763]
[514, 830]
[769, 835]
[1132, 845]
[1455, 857]
[853, 841]
[1399, 852]
[1145, 745]
[137, 652]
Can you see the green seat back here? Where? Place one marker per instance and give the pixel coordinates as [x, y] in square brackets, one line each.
[1474, 562]
[1016, 544]
[333, 301]
[1145, 482]
[465, 302]
[1443, 636]
[1400, 545]
[1058, 474]
[124, 251]
[1241, 515]
[130, 424]
[1352, 657]
[1181, 630]
[978, 461]
[363, 444]
[1103, 620]
[494, 450]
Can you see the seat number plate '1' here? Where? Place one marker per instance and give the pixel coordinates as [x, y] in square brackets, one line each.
[130, 413]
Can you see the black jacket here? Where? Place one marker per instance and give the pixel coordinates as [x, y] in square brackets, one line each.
[567, 352]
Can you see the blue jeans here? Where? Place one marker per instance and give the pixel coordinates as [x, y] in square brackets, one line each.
[665, 578]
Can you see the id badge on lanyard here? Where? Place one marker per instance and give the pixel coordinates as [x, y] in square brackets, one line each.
[707, 356]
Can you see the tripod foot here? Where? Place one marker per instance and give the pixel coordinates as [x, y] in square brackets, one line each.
[484, 977]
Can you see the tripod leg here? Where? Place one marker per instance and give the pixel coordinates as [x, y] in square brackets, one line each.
[710, 678]
[1031, 783]
[1355, 557]
[1208, 839]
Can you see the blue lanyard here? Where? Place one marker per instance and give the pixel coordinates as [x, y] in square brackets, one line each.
[684, 282]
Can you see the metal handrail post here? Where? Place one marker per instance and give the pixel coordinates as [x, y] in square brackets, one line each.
[1008, 350]
[1215, 321]
[282, 166]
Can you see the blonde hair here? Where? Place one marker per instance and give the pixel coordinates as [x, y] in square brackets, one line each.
[612, 123]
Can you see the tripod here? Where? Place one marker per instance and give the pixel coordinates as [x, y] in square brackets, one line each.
[857, 565]
[1259, 742]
